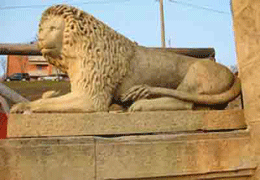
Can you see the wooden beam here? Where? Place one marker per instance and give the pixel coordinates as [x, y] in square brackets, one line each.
[19, 49]
[4, 105]
[193, 52]
[10, 94]
[31, 49]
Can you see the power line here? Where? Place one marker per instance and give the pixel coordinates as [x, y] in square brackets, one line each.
[43, 6]
[105, 2]
[22, 7]
[199, 7]
[110, 2]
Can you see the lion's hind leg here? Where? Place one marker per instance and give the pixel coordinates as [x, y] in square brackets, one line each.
[157, 104]
[146, 100]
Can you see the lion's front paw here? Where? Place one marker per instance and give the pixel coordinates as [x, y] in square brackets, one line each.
[21, 108]
[140, 105]
[135, 107]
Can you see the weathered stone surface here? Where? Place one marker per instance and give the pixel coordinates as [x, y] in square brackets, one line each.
[224, 155]
[246, 16]
[247, 28]
[52, 158]
[57, 124]
[196, 156]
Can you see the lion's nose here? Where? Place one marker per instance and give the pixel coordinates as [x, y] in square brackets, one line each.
[39, 43]
[40, 39]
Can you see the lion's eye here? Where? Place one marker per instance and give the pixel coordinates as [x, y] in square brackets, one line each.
[52, 28]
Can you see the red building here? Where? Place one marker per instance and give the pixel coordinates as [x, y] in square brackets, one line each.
[36, 66]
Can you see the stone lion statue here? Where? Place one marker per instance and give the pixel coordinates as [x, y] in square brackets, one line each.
[105, 67]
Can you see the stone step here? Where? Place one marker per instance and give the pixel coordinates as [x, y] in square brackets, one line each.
[197, 155]
[211, 155]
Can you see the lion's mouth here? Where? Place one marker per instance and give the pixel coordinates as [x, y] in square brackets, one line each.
[47, 50]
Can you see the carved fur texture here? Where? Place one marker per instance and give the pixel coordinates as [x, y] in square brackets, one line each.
[103, 55]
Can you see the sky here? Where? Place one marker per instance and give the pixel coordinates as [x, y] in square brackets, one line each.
[188, 23]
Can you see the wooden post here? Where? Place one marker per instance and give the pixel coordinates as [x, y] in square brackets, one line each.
[162, 24]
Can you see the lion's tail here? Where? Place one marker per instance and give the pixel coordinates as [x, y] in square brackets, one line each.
[212, 99]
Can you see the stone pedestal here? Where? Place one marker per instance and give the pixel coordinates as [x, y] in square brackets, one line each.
[78, 124]
[147, 145]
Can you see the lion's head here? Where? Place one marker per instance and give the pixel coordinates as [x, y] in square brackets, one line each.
[94, 55]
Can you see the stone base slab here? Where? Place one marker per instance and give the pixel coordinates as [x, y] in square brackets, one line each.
[191, 155]
[212, 155]
[71, 124]
[47, 158]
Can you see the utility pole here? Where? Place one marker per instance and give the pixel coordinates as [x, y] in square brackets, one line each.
[162, 24]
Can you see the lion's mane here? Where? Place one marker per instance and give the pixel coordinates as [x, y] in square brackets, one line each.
[103, 53]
